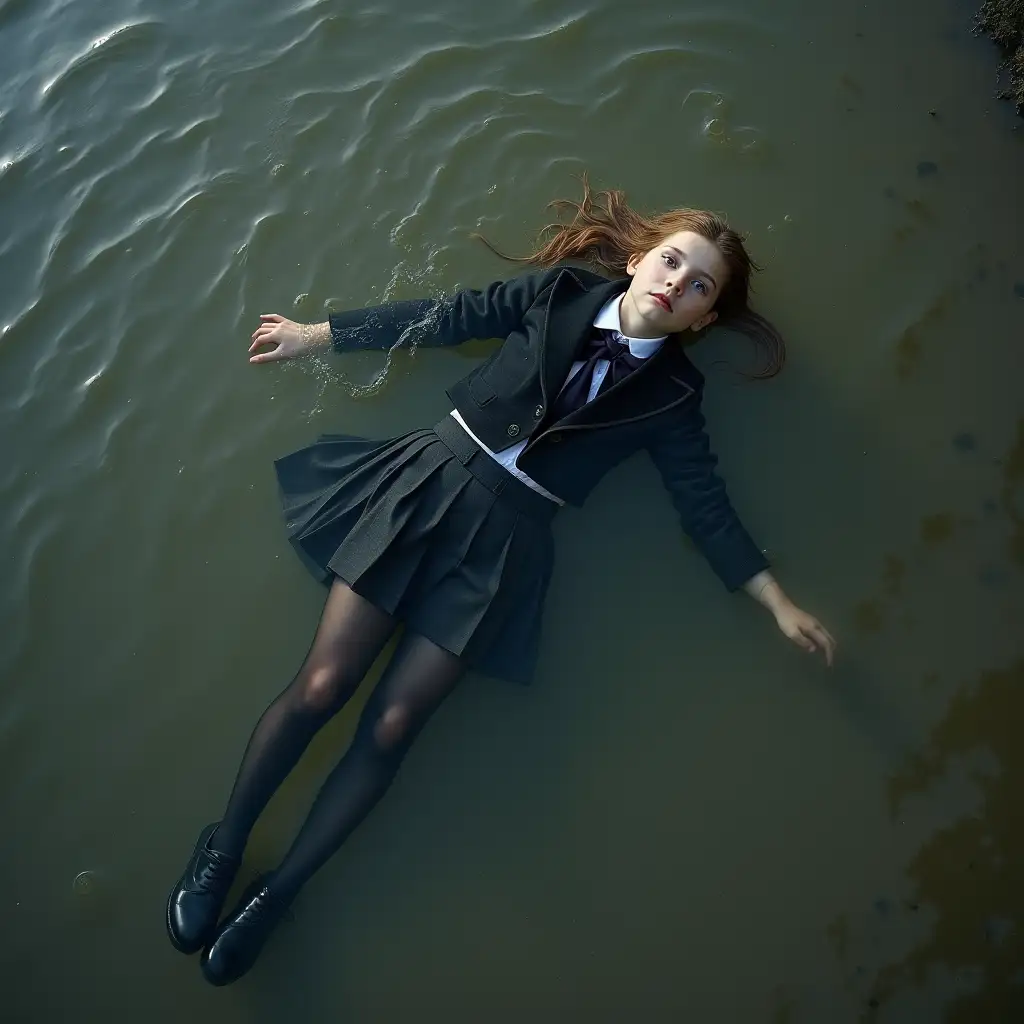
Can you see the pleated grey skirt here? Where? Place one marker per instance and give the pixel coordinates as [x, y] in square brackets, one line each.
[432, 530]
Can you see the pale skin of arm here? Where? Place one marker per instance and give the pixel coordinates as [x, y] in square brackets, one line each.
[280, 338]
[287, 338]
[803, 629]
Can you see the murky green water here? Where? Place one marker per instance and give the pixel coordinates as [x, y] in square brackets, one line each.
[684, 819]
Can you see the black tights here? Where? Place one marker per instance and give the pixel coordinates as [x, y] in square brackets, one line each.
[351, 634]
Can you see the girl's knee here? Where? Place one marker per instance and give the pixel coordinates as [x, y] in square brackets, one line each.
[391, 728]
[323, 688]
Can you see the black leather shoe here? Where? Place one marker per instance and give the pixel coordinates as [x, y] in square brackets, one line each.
[195, 902]
[239, 940]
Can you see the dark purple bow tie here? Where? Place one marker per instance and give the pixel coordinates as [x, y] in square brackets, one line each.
[603, 345]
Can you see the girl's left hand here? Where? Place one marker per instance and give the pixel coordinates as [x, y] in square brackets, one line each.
[805, 630]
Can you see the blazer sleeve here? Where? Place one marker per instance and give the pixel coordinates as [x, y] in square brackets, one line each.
[492, 313]
[683, 455]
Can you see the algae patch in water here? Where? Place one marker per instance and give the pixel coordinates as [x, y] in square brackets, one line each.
[1003, 20]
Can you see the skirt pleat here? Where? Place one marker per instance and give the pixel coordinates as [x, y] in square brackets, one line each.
[412, 529]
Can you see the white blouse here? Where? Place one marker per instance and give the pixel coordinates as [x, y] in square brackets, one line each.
[606, 320]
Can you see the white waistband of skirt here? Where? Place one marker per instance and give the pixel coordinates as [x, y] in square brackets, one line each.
[507, 460]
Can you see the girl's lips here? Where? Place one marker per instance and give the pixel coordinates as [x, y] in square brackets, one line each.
[663, 302]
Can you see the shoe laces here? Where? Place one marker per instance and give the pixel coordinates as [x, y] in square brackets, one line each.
[218, 869]
[261, 905]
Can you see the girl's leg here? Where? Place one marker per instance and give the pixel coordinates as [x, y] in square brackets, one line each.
[415, 683]
[351, 634]
[420, 676]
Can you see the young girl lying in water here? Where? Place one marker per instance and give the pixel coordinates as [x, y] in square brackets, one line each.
[447, 530]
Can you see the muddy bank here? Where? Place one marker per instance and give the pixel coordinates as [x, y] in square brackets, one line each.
[1003, 20]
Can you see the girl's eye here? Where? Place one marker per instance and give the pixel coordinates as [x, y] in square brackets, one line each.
[700, 286]
[670, 260]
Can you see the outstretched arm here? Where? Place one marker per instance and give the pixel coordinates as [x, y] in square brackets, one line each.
[687, 465]
[493, 312]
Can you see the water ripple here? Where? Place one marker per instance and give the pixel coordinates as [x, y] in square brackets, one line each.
[118, 43]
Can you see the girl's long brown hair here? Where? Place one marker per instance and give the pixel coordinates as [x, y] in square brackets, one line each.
[607, 231]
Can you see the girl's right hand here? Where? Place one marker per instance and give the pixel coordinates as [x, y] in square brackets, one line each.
[286, 338]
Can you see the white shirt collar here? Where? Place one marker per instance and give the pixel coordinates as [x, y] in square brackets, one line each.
[608, 320]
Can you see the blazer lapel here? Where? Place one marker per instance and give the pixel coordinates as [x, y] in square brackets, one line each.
[568, 321]
[663, 381]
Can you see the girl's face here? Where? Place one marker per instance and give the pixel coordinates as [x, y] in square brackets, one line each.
[675, 285]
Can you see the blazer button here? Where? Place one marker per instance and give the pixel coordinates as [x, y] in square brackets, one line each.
[538, 412]
[513, 429]
[555, 438]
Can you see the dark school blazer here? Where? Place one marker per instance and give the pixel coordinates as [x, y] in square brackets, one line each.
[546, 319]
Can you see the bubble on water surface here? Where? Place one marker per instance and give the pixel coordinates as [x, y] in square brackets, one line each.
[86, 885]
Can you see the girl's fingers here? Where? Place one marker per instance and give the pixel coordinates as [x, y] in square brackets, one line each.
[266, 357]
[824, 640]
[265, 335]
[808, 633]
[261, 338]
[802, 640]
[822, 636]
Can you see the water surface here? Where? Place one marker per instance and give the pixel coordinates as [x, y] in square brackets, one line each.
[684, 818]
